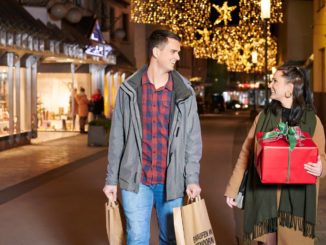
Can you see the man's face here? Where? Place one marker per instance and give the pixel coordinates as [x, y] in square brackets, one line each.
[168, 54]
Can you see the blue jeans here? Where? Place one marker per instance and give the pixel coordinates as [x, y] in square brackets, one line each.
[138, 208]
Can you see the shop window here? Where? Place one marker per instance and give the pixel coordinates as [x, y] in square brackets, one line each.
[79, 3]
[92, 5]
[125, 22]
[322, 70]
[112, 21]
[54, 100]
[4, 103]
[20, 114]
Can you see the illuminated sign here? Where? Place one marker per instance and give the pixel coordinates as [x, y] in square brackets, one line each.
[98, 48]
[248, 85]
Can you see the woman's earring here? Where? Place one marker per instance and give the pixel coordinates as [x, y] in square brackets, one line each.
[288, 95]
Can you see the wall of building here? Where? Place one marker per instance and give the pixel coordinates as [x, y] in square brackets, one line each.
[300, 31]
[140, 36]
[319, 46]
[295, 40]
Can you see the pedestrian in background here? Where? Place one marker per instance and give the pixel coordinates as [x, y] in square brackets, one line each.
[281, 214]
[82, 102]
[155, 142]
[98, 104]
[75, 111]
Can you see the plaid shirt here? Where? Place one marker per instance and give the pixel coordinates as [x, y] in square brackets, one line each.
[156, 116]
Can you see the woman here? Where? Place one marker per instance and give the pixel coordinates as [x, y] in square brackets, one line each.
[281, 214]
[82, 102]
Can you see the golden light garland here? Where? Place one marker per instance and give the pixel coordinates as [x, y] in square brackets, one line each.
[224, 13]
[230, 45]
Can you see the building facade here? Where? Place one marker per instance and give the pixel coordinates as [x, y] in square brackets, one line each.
[319, 59]
[38, 70]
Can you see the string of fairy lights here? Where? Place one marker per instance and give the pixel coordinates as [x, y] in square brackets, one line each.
[232, 45]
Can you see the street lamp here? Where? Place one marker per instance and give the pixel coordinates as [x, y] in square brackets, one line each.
[265, 15]
[253, 112]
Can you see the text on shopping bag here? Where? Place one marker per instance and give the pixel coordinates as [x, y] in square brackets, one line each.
[204, 238]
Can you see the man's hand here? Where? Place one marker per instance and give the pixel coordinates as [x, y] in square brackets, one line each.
[110, 191]
[193, 190]
[315, 169]
[230, 202]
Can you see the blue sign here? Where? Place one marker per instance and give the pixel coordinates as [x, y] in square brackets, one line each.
[99, 49]
[97, 34]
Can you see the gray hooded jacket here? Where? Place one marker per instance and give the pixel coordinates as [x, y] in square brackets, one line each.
[125, 142]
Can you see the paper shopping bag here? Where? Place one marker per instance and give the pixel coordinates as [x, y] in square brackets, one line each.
[192, 225]
[114, 226]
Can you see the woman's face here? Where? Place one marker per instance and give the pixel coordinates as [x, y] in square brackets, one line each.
[281, 90]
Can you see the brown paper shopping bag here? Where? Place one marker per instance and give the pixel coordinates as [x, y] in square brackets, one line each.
[192, 225]
[114, 226]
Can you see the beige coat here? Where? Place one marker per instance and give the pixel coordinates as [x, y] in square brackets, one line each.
[286, 236]
[82, 102]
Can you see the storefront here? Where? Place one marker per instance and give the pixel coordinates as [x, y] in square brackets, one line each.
[37, 81]
[17, 96]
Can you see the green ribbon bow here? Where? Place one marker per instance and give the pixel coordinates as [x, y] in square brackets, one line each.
[286, 133]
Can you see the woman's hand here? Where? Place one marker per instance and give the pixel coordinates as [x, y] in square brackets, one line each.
[230, 202]
[315, 169]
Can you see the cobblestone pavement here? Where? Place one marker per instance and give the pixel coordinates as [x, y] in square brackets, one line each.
[321, 216]
[23, 163]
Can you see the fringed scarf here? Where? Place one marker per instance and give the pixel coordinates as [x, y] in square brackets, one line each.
[297, 207]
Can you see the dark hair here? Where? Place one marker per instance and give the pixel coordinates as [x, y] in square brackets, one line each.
[302, 99]
[159, 37]
[82, 89]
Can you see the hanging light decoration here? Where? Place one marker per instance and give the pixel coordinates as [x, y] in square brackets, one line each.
[74, 15]
[228, 44]
[58, 10]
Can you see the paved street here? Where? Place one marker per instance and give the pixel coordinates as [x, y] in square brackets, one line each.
[69, 208]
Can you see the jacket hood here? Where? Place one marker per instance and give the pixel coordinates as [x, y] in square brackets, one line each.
[180, 84]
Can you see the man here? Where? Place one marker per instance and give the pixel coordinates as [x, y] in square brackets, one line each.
[155, 142]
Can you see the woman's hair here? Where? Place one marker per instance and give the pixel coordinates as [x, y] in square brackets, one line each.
[302, 99]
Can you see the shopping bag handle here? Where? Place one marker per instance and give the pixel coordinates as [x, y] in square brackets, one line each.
[110, 201]
[190, 200]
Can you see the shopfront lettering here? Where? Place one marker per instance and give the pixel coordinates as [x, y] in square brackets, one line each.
[99, 50]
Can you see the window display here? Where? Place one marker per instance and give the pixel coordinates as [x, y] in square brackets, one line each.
[4, 114]
[54, 100]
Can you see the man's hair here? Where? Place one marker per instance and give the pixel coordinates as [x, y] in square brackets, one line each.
[159, 38]
[82, 89]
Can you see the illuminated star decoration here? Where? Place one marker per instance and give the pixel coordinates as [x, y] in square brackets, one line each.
[225, 13]
[205, 34]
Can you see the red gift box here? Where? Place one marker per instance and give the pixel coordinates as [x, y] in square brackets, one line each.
[273, 160]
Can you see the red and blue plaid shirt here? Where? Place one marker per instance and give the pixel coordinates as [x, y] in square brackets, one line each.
[156, 105]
